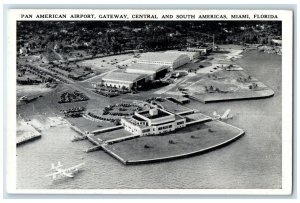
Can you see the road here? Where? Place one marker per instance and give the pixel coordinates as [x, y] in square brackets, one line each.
[74, 84]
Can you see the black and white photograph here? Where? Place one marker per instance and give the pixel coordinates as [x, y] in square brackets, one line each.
[159, 100]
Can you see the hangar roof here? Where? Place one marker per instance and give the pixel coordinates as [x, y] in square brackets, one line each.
[161, 56]
[140, 67]
[122, 76]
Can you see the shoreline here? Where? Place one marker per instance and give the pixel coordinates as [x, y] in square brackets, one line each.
[267, 95]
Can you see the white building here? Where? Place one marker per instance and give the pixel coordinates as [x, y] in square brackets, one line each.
[121, 79]
[174, 60]
[154, 121]
[202, 50]
[191, 54]
[154, 71]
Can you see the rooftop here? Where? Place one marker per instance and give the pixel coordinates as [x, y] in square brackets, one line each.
[159, 114]
[161, 56]
[189, 53]
[147, 67]
[122, 76]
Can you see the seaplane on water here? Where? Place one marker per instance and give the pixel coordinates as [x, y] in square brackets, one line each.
[68, 172]
[225, 116]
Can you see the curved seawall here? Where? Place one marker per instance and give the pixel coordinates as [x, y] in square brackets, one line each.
[129, 161]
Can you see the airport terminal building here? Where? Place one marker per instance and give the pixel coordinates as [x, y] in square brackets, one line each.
[153, 122]
[171, 59]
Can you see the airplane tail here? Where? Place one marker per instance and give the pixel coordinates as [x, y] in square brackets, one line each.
[226, 114]
[55, 167]
[215, 113]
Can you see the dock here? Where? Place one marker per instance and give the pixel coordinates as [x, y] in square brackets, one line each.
[102, 130]
[26, 132]
[27, 138]
[121, 139]
[179, 100]
[94, 148]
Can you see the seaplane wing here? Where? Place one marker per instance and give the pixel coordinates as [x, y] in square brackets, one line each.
[69, 172]
[73, 168]
[59, 174]
[53, 174]
[226, 114]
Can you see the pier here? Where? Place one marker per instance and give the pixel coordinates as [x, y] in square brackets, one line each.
[27, 138]
[121, 139]
[94, 148]
[102, 130]
[94, 140]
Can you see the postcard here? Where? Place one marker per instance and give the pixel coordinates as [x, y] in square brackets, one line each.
[120, 101]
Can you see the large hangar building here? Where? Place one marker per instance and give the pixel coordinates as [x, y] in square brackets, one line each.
[172, 59]
[122, 79]
[153, 71]
[191, 54]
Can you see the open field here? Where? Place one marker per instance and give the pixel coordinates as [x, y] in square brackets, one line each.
[104, 64]
[88, 125]
[193, 139]
[32, 90]
[194, 67]
[216, 97]
[173, 107]
[48, 104]
[196, 116]
[225, 85]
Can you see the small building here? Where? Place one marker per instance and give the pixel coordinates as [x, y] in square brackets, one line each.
[122, 79]
[174, 60]
[201, 50]
[277, 42]
[153, 122]
[154, 71]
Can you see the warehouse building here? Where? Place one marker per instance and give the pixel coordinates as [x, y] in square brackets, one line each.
[191, 54]
[153, 122]
[121, 79]
[153, 71]
[174, 60]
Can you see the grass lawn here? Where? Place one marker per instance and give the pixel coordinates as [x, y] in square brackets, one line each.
[104, 64]
[211, 97]
[88, 125]
[227, 83]
[196, 116]
[193, 138]
[173, 107]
